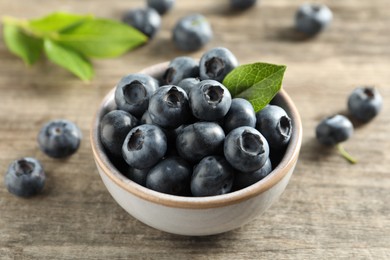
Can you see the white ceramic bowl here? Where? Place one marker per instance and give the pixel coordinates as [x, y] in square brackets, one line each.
[196, 216]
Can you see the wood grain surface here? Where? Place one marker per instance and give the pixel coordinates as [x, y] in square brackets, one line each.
[330, 209]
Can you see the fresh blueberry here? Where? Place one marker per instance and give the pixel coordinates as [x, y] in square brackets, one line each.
[216, 63]
[171, 175]
[59, 138]
[210, 100]
[242, 4]
[241, 113]
[199, 140]
[145, 119]
[188, 83]
[274, 123]
[169, 107]
[245, 179]
[133, 91]
[311, 19]
[364, 103]
[180, 68]
[137, 175]
[334, 129]
[114, 128]
[212, 176]
[161, 6]
[246, 149]
[25, 177]
[146, 20]
[192, 32]
[144, 146]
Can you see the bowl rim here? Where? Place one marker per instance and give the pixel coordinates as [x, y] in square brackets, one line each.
[279, 172]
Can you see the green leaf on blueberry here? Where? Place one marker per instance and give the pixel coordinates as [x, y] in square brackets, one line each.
[257, 82]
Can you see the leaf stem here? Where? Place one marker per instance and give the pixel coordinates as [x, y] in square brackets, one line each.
[345, 154]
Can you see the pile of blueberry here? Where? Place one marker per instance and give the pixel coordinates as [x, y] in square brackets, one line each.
[183, 134]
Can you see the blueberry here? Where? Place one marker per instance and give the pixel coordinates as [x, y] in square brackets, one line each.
[311, 19]
[274, 123]
[172, 176]
[137, 175]
[245, 179]
[246, 149]
[114, 128]
[59, 138]
[199, 140]
[169, 107]
[364, 103]
[161, 6]
[188, 83]
[212, 176]
[241, 113]
[144, 146]
[210, 100]
[242, 4]
[146, 20]
[192, 32]
[133, 91]
[25, 177]
[145, 119]
[334, 129]
[180, 68]
[216, 63]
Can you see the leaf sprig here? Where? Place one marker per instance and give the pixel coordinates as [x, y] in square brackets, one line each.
[70, 40]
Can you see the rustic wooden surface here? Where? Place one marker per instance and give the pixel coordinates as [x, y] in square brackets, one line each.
[330, 209]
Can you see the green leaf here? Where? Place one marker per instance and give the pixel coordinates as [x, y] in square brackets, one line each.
[22, 45]
[57, 22]
[69, 59]
[102, 38]
[257, 82]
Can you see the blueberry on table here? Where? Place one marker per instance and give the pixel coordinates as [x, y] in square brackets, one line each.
[146, 20]
[188, 83]
[59, 138]
[246, 149]
[25, 177]
[245, 179]
[241, 113]
[274, 123]
[199, 140]
[144, 146]
[311, 19]
[169, 107]
[212, 176]
[172, 175]
[242, 4]
[210, 100]
[161, 6]
[180, 68]
[216, 63]
[192, 32]
[133, 91]
[364, 103]
[114, 127]
[334, 129]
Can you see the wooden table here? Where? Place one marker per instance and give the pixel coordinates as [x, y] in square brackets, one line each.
[330, 209]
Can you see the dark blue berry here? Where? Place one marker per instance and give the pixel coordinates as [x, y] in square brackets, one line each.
[199, 140]
[241, 113]
[311, 19]
[161, 6]
[137, 175]
[216, 63]
[274, 123]
[364, 103]
[245, 179]
[114, 128]
[25, 177]
[246, 149]
[334, 129]
[210, 100]
[188, 83]
[192, 32]
[144, 146]
[180, 68]
[242, 4]
[171, 175]
[212, 176]
[146, 20]
[133, 91]
[59, 138]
